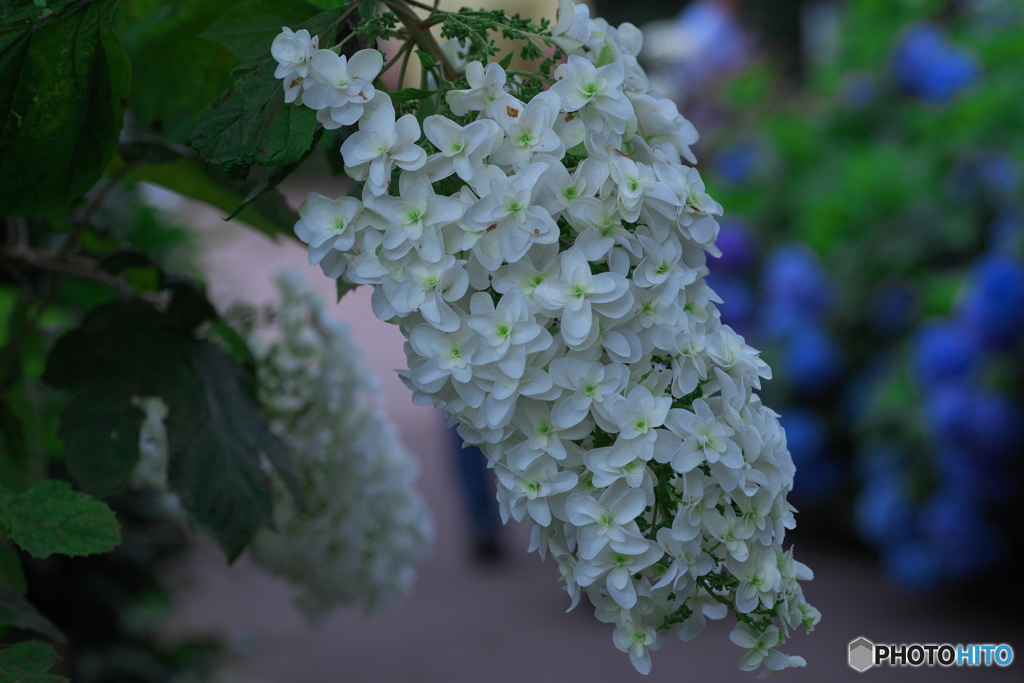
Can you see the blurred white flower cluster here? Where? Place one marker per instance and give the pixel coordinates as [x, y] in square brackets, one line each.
[365, 529]
[545, 260]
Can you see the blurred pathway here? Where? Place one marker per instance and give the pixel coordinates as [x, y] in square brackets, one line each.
[468, 622]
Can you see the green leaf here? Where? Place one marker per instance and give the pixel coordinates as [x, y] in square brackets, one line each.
[64, 83]
[214, 443]
[258, 195]
[506, 60]
[270, 213]
[11, 576]
[344, 287]
[214, 427]
[249, 29]
[251, 124]
[27, 663]
[411, 94]
[14, 452]
[426, 60]
[176, 71]
[51, 518]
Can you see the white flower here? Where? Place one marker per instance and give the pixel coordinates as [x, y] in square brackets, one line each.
[608, 520]
[330, 227]
[363, 528]
[547, 267]
[662, 126]
[637, 416]
[617, 570]
[382, 144]
[596, 93]
[590, 382]
[415, 219]
[460, 149]
[705, 438]
[529, 130]
[445, 354]
[510, 215]
[572, 27]
[561, 190]
[486, 87]
[759, 577]
[292, 50]
[637, 640]
[429, 287]
[578, 293]
[761, 649]
[338, 87]
[600, 228]
[507, 332]
[690, 561]
[527, 491]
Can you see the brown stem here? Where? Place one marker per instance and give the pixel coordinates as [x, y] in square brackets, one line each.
[422, 36]
[68, 264]
[82, 223]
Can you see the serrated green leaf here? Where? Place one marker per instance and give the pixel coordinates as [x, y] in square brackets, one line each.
[259, 196]
[51, 517]
[176, 71]
[215, 430]
[64, 83]
[28, 663]
[251, 124]
[249, 29]
[213, 444]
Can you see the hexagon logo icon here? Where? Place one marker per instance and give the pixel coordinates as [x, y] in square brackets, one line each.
[862, 654]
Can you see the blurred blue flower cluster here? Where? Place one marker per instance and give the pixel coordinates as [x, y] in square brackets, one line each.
[972, 430]
[927, 65]
[878, 262]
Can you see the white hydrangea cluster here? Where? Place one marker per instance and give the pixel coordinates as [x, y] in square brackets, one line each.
[545, 260]
[364, 529]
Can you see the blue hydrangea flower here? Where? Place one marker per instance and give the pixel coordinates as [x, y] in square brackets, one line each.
[925, 64]
[944, 352]
[814, 362]
[995, 303]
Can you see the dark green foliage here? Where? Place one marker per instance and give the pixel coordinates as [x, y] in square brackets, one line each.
[52, 518]
[113, 606]
[27, 663]
[250, 27]
[130, 349]
[176, 70]
[63, 91]
[251, 124]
